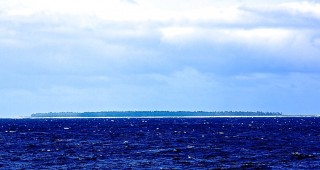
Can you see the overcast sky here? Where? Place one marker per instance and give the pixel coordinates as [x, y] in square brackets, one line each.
[97, 55]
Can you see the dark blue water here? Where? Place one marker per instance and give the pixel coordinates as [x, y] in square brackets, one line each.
[197, 143]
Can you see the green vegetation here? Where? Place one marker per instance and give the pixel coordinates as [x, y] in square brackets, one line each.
[154, 114]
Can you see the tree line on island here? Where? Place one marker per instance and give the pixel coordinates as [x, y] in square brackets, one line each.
[154, 114]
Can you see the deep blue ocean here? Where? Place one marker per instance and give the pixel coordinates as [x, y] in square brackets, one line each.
[161, 143]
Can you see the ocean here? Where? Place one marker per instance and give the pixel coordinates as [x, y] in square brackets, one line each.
[161, 143]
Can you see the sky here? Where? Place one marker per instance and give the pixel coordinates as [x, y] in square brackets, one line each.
[208, 55]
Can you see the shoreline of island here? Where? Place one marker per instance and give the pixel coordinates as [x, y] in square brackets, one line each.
[125, 114]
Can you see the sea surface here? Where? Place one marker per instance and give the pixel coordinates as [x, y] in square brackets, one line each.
[161, 143]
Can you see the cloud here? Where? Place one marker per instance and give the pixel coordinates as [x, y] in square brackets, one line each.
[268, 37]
[93, 44]
[316, 42]
[285, 14]
[130, 1]
[307, 9]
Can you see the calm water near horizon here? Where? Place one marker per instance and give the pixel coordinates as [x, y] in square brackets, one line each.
[161, 143]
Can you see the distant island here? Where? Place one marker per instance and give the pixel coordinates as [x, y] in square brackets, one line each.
[154, 114]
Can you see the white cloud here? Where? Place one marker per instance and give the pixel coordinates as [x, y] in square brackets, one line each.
[192, 11]
[316, 42]
[118, 11]
[177, 34]
[306, 8]
[267, 37]
[130, 1]
[263, 36]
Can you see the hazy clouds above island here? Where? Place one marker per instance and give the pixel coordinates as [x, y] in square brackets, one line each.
[95, 55]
